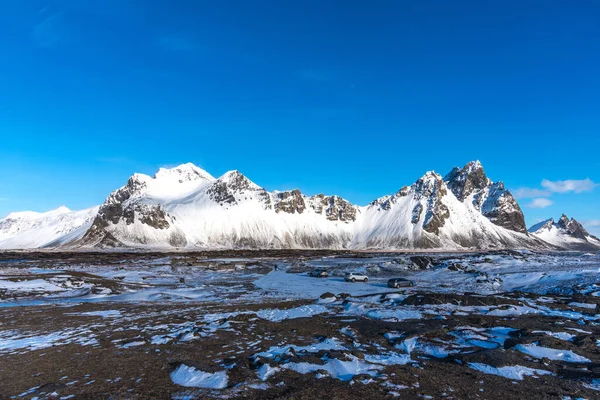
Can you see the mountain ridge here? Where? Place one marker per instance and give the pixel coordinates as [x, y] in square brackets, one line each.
[186, 207]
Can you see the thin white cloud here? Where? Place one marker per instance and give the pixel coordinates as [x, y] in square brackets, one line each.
[540, 202]
[4, 199]
[529, 193]
[592, 223]
[570, 185]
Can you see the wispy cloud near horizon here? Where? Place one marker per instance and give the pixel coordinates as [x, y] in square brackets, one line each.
[570, 185]
[528, 193]
[540, 202]
[550, 187]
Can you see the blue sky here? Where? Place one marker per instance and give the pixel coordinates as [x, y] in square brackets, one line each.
[353, 98]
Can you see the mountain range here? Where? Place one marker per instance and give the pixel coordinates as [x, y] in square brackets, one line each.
[186, 207]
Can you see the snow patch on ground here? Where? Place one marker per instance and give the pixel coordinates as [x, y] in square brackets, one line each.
[277, 315]
[514, 372]
[327, 344]
[192, 377]
[103, 314]
[342, 370]
[536, 351]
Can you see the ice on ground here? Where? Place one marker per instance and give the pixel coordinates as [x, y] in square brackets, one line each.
[342, 370]
[436, 351]
[11, 341]
[551, 354]
[277, 315]
[192, 377]
[258, 386]
[408, 345]
[579, 330]
[389, 359]
[582, 305]
[594, 385]
[394, 315]
[558, 335]
[480, 337]
[393, 335]
[30, 285]
[266, 371]
[327, 344]
[133, 344]
[514, 372]
[305, 287]
[103, 314]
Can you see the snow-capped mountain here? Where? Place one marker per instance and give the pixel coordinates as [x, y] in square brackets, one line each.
[428, 214]
[471, 185]
[566, 234]
[23, 230]
[186, 207]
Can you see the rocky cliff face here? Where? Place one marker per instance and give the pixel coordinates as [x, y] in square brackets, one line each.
[470, 183]
[290, 202]
[572, 227]
[334, 208]
[234, 187]
[432, 189]
[124, 214]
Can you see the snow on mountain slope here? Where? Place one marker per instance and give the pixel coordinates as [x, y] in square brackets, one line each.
[566, 234]
[428, 215]
[470, 184]
[30, 229]
[231, 211]
[186, 207]
[234, 212]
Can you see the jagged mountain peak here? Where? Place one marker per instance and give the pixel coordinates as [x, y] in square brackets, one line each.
[466, 180]
[473, 166]
[37, 215]
[542, 225]
[184, 173]
[31, 229]
[430, 176]
[563, 221]
[470, 183]
[566, 233]
[235, 180]
[233, 187]
[428, 185]
[185, 206]
[572, 227]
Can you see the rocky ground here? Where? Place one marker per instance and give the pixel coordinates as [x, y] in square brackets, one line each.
[240, 326]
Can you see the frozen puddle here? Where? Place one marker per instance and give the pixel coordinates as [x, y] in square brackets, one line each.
[536, 351]
[103, 314]
[342, 370]
[11, 341]
[278, 351]
[266, 371]
[192, 377]
[568, 337]
[480, 337]
[514, 372]
[389, 359]
[277, 315]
